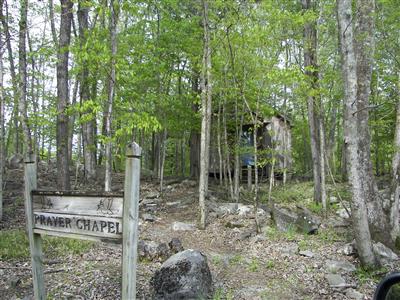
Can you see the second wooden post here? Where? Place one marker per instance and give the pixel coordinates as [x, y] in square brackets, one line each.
[130, 221]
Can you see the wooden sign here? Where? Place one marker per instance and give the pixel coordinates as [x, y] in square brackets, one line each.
[78, 215]
[93, 216]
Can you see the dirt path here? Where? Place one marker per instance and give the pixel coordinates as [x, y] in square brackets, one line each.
[244, 265]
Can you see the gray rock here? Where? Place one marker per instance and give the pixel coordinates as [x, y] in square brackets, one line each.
[306, 222]
[227, 208]
[335, 266]
[333, 200]
[307, 253]
[185, 275]
[147, 250]
[180, 226]
[188, 183]
[340, 223]
[342, 213]
[384, 254]
[162, 251]
[285, 219]
[175, 245]
[16, 161]
[234, 224]
[244, 210]
[290, 250]
[148, 217]
[335, 281]
[152, 195]
[148, 202]
[354, 294]
[347, 249]
[14, 281]
[303, 221]
[258, 238]
[246, 235]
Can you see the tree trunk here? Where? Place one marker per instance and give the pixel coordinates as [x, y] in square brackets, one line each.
[206, 117]
[72, 122]
[15, 113]
[23, 78]
[63, 180]
[228, 170]
[111, 93]
[89, 147]
[352, 136]
[364, 46]
[394, 205]
[194, 139]
[162, 160]
[53, 27]
[313, 102]
[1, 120]
[219, 146]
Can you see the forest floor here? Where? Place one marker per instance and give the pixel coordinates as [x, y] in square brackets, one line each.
[244, 265]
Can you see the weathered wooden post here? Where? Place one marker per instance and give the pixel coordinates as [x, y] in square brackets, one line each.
[35, 240]
[130, 221]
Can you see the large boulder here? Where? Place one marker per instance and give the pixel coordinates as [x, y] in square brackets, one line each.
[306, 222]
[15, 162]
[384, 255]
[185, 275]
[302, 220]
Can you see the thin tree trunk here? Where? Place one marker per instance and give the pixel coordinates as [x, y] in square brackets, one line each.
[310, 65]
[194, 139]
[34, 97]
[206, 117]
[352, 138]
[63, 180]
[322, 160]
[394, 207]
[162, 161]
[1, 120]
[89, 147]
[183, 158]
[23, 78]
[15, 113]
[228, 170]
[219, 146]
[271, 204]
[255, 130]
[111, 93]
[52, 26]
[72, 121]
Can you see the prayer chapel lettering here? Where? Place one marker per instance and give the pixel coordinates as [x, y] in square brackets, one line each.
[79, 223]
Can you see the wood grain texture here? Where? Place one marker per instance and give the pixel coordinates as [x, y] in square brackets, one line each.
[107, 206]
[130, 221]
[35, 240]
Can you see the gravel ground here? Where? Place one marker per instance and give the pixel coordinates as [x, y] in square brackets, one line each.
[244, 265]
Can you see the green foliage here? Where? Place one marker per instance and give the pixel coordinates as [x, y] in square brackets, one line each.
[253, 265]
[270, 264]
[293, 193]
[236, 259]
[365, 274]
[14, 245]
[221, 294]
[328, 235]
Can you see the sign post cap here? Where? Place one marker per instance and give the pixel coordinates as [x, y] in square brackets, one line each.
[134, 150]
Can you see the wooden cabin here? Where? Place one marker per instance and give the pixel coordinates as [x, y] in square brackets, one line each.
[273, 141]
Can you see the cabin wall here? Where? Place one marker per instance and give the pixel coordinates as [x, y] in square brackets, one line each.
[275, 134]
